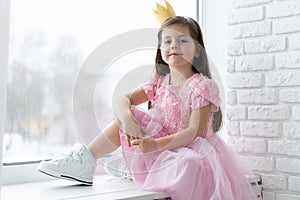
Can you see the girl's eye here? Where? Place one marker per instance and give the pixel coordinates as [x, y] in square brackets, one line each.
[167, 42]
[183, 40]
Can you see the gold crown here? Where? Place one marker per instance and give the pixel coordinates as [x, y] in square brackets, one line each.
[163, 13]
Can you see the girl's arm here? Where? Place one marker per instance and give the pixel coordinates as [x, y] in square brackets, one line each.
[183, 138]
[122, 111]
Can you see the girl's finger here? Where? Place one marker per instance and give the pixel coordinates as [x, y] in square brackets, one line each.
[135, 142]
[128, 142]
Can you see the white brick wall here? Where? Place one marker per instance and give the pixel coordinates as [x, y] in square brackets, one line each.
[263, 96]
[245, 80]
[286, 25]
[262, 129]
[294, 41]
[257, 96]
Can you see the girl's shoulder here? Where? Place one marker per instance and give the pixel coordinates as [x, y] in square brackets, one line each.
[202, 80]
[204, 86]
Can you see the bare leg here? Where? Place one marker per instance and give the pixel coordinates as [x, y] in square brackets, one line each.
[106, 142]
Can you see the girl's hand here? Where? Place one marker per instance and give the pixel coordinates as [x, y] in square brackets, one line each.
[146, 144]
[132, 128]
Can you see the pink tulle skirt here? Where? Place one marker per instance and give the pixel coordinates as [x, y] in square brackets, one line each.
[205, 170]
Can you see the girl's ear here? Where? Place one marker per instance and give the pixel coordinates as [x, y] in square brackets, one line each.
[197, 51]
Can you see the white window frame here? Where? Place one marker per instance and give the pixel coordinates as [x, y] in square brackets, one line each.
[200, 12]
[4, 38]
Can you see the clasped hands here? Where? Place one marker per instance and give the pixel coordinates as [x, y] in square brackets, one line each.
[136, 135]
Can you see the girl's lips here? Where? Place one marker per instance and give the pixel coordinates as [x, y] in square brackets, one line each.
[174, 54]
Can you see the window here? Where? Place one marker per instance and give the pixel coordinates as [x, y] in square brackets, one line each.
[50, 41]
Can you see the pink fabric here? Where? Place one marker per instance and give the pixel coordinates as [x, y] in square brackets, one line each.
[205, 170]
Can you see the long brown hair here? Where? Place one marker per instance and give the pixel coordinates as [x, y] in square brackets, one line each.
[200, 63]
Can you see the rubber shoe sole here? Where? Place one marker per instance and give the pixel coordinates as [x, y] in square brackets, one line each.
[66, 176]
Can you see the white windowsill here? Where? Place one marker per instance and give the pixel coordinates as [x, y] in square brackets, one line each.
[104, 187]
[25, 182]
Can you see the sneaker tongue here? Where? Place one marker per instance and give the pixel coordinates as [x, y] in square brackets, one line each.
[77, 147]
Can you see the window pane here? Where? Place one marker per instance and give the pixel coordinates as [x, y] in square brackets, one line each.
[49, 42]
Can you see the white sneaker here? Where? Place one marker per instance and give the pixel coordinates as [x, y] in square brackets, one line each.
[79, 166]
[116, 166]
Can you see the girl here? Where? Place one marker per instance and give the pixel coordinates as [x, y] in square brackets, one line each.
[173, 148]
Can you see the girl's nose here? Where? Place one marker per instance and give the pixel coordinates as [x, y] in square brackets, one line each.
[174, 45]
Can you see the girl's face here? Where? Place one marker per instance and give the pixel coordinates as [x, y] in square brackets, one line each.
[177, 46]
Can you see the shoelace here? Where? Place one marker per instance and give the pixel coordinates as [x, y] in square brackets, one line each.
[75, 156]
[70, 157]
[123, 171]
[117, 167]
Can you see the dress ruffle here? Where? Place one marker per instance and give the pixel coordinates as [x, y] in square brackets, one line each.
[205, 170]
[205, 92]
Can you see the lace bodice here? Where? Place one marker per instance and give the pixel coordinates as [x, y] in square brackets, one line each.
[173, 104]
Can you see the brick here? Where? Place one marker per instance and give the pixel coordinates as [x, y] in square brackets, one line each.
[289, 165]
[248, 145]
[233, 128]
[285, 147]
[246, 15]
[282, 9]
[236, 113]
[283, 78]
[290, 95]
[230, 65]
[255, 63]
[294, 41]
[248, 3]
[231, 97]
[287, 197]
[245, 80]
[235, 48]
[296, 112]
[274, 181]
[288, 60]
[269, 112]
[257, 96]
[253, 29]
[291, 130]
[259, 163]
[268, 195]
[261, 129]
[294, 183]
[286, 25]
[266, 45]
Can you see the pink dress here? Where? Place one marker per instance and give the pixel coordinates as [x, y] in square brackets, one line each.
[206, 169]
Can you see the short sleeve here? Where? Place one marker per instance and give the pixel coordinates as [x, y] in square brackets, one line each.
[151, 87]
[205, 92]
